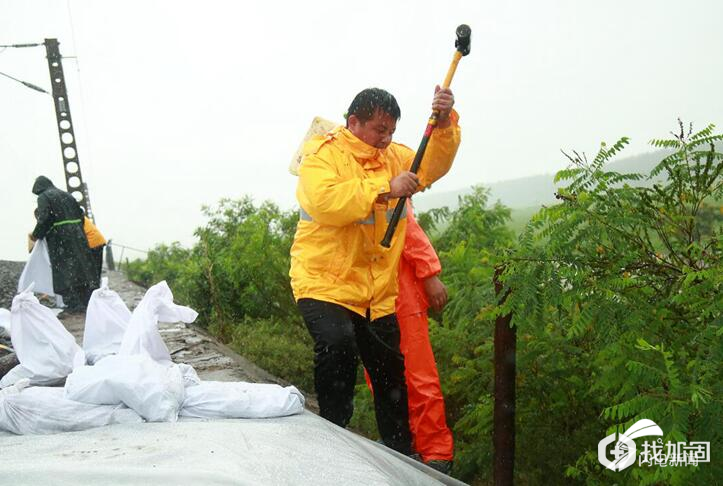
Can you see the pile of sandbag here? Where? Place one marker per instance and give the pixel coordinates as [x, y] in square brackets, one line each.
[129, 375]
[47, 353]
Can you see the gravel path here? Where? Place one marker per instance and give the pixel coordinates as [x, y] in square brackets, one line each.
[9, 276]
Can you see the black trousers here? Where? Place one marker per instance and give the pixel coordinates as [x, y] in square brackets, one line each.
[76, 298]
[340, 337]
[97, 256]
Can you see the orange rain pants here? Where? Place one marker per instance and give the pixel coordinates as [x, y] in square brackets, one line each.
[431, 437]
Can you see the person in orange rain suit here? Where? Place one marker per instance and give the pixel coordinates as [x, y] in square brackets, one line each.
[344, 281]
[420, 288]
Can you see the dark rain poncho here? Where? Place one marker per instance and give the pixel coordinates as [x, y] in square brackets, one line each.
[60, 222]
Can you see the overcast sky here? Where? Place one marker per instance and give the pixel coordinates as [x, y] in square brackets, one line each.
[178, 103]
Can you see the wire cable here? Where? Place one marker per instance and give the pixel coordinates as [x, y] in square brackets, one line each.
[20, 45]
[29, 85]
[89, 158]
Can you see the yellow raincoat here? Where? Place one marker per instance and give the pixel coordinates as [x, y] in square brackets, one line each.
[336, 256]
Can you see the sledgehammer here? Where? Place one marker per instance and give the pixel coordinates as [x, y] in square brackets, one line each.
[464, 38]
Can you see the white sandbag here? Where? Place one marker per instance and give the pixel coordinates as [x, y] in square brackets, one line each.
[19, 386]
[47, 352]
[43, 410]
[38, 270]
[154, 390]
[106, 321]
[218, 399]
[142, 336]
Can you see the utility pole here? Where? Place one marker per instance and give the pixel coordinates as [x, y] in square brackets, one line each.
[71, 165]
[503, 435]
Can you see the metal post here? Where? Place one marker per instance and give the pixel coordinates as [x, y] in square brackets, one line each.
[503, 436]
[109, 256]
[71, 165]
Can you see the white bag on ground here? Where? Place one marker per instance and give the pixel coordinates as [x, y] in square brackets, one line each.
[38, 270]
[106, 321]
[218, 399]
[142, 336]
[154, 390]
[43, 410]
[47, 352]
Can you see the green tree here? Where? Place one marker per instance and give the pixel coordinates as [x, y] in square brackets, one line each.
[470, 242]
[618, 287]
[615, 292]
[236, 277]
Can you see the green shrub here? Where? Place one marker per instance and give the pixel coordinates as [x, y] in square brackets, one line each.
[617, 290]
[284, 349]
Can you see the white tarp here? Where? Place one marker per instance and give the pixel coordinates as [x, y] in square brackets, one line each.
[43, 410]
[218, 399]
[106, 321]
[47, 352]
[154, 390]
[297, 450]
[38, 270]
[142, 336]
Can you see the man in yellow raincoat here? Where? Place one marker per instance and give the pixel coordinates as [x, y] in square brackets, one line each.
[344, 281]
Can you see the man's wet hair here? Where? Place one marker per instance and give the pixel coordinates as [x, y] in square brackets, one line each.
[368, 101]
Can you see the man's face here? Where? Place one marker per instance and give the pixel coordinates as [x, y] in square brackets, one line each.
[377, 131]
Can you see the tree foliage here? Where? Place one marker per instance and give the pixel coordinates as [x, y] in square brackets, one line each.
[627, 280]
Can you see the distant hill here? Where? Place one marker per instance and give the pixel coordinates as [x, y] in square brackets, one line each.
[532, 191]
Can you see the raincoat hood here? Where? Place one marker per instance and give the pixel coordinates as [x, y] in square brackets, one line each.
[41, 185]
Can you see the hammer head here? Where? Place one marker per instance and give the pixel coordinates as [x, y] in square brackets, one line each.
[464, 39]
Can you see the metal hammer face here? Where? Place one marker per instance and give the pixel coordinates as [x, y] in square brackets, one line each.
[464, 39]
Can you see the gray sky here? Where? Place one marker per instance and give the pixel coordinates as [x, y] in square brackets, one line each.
[178, 103]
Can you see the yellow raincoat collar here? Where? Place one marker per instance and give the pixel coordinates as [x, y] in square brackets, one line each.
[364, 153]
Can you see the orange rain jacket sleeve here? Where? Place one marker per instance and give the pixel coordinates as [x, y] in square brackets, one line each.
[336, 256]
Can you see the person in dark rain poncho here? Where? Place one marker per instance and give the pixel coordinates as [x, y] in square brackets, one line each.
[60, 222]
